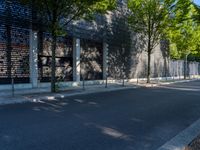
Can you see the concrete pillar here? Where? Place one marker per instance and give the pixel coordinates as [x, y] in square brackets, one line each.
[76, 59]
[33, 58]
[105, 60]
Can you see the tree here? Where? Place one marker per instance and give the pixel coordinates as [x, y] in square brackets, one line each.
[150, 18]
[184, 35]
[196, 16]
[57, 14]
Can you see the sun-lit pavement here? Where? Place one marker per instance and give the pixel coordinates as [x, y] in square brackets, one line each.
[132, 119]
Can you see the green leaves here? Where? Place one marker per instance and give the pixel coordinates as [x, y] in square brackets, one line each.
[150, 18]
[196, 16]
[59, 13]
[184, 35]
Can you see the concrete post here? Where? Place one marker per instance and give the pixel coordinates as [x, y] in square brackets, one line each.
[33, 58]
[105, 60]
[76, 59]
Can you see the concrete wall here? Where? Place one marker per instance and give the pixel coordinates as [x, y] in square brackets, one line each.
[127, 57]
[124, 54]
[126, 50]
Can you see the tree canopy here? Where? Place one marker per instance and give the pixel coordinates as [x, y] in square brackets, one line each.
[184, 34]
[57, 14]
[150, 19]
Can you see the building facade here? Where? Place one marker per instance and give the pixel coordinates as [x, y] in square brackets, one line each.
[25, 49]
[91, 50]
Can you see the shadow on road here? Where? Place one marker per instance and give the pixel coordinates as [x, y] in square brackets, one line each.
[134, 119]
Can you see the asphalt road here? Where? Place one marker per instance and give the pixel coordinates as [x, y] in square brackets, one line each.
[134, 119]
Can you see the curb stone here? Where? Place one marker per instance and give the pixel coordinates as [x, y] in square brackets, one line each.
[165, 83]
[35, 99]
[180, 141]
[56, 96]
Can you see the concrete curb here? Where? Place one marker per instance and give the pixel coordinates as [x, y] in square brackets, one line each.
[29, 98]
[165, 83]
[180, 141]
[35, 99]
[84, 92]
[182, 81]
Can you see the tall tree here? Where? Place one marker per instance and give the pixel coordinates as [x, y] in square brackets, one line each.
[184, 35]
[196, 16]
[150, 18]
[58, 14]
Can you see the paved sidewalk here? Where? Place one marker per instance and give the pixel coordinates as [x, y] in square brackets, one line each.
[38, 94]
[156, 83]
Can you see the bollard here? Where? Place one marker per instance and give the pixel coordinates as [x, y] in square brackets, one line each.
[123, 82]
[158, 80]
[13, 87]
[137, 80]
[83, 84]
[38, 83]
[179, 70]
[106, 82]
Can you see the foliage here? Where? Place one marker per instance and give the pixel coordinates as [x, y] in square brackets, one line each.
[57, 14]
[150, 19]
[196, 16]
[184, 34]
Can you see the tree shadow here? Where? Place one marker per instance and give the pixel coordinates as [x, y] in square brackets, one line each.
[124, 120]
[124, 47]
[164, 48]
[91, 60]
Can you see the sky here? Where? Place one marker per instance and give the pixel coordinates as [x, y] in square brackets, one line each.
[197, 2]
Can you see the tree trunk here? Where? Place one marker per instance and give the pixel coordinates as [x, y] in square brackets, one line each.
[53, 63]
[149, 58]
[149, 67]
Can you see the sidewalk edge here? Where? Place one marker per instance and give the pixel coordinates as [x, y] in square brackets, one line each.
[181, 140]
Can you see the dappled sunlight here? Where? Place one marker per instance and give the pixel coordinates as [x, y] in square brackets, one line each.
[48, 108]
[40, 99]
[35, 100]
[55, 106]
[114, 133]
[92, 103]
[108, 131]
[176, 148]
[50, 98]
[60, 105]
[86, 102]
[79, 100]
[137, 120]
